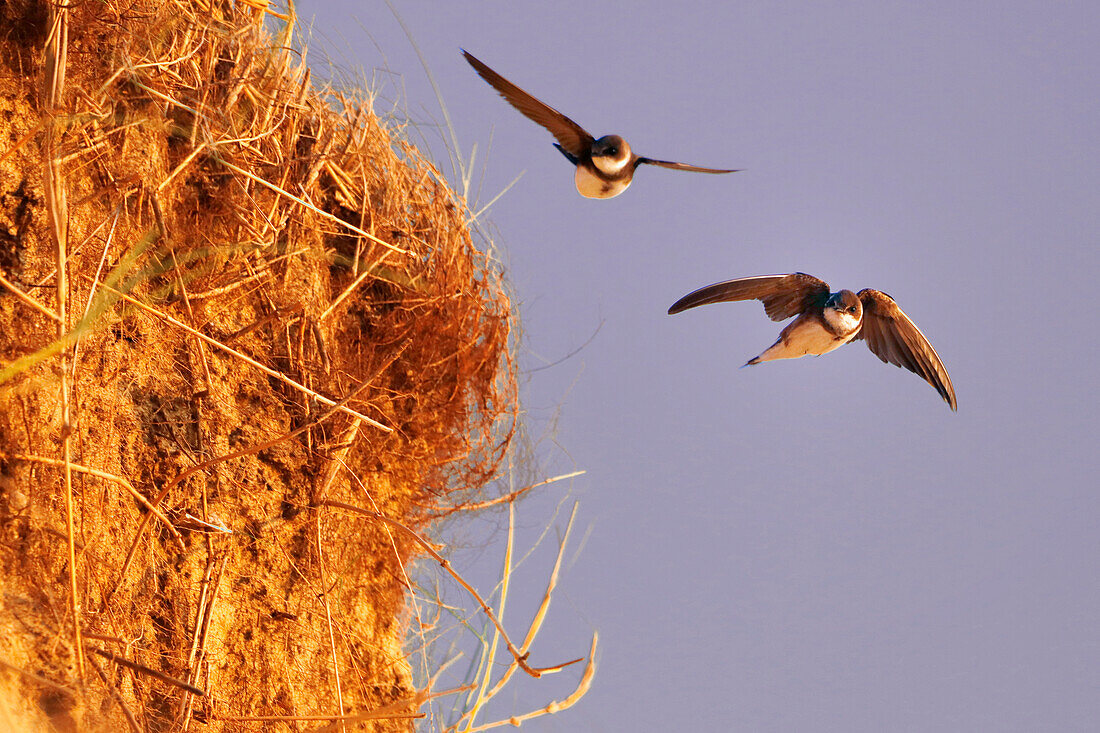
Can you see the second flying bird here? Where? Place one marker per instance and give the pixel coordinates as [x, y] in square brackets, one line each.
[605, 166]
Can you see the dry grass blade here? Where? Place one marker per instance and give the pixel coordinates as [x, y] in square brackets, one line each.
[483, 693]
[328, 615]
[521, 659]
[466, 722]
[314, 209]
[22, 141]
[180, 168]
[56, 52]
[265, 7]
[367, 272]
[544, 605]
[95, 284]
[202, 634]
[248, 360]
[557, 706]
[38, 678]
[513, 495]
[23, 297]
[118, 480]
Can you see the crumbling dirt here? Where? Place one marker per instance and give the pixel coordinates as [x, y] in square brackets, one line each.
[357, 278]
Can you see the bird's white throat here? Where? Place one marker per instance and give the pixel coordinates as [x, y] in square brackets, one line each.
[610, 166]
[841, 321]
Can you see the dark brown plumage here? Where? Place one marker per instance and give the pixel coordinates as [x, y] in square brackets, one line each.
[895, 339]
[573, 138]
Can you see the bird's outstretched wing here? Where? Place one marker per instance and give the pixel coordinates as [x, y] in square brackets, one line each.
[574, 139]
[783, 296]
[683, 166]
[895, 339]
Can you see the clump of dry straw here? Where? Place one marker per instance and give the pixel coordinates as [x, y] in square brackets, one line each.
[241, 322]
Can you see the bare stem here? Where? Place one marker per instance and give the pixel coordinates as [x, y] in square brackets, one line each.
[56, 59]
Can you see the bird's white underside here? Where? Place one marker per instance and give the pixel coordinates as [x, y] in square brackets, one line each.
[803, 337]
[592, 186]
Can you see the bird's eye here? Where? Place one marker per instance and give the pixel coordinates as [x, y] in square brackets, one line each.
[852, 309]
[612, 151]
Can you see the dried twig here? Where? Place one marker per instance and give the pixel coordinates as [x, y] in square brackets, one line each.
[328, 614]
[390, 711]
[113, 691]
[202, 626]
[137, 667]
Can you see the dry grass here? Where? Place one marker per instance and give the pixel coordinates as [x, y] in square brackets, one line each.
[265, 304]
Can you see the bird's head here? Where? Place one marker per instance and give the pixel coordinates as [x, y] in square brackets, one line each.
[844, 310]
[611, 154]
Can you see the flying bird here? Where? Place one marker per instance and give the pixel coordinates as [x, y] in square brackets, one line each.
[605, 166]
[826, 321]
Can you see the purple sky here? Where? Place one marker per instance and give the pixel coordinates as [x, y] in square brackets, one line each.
[817, 544]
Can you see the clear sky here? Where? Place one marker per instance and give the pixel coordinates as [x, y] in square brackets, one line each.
[817, 544]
